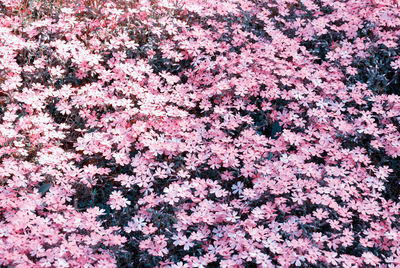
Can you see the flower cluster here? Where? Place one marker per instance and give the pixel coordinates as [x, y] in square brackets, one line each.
[191, 133]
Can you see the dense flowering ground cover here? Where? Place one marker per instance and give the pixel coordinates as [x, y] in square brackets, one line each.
[196, 133]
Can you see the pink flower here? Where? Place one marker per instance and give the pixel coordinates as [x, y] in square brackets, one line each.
[117, 201]
[370, 258]
[320, 214]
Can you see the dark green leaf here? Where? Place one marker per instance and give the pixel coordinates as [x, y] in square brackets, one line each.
[276, 128]
[44, 188]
